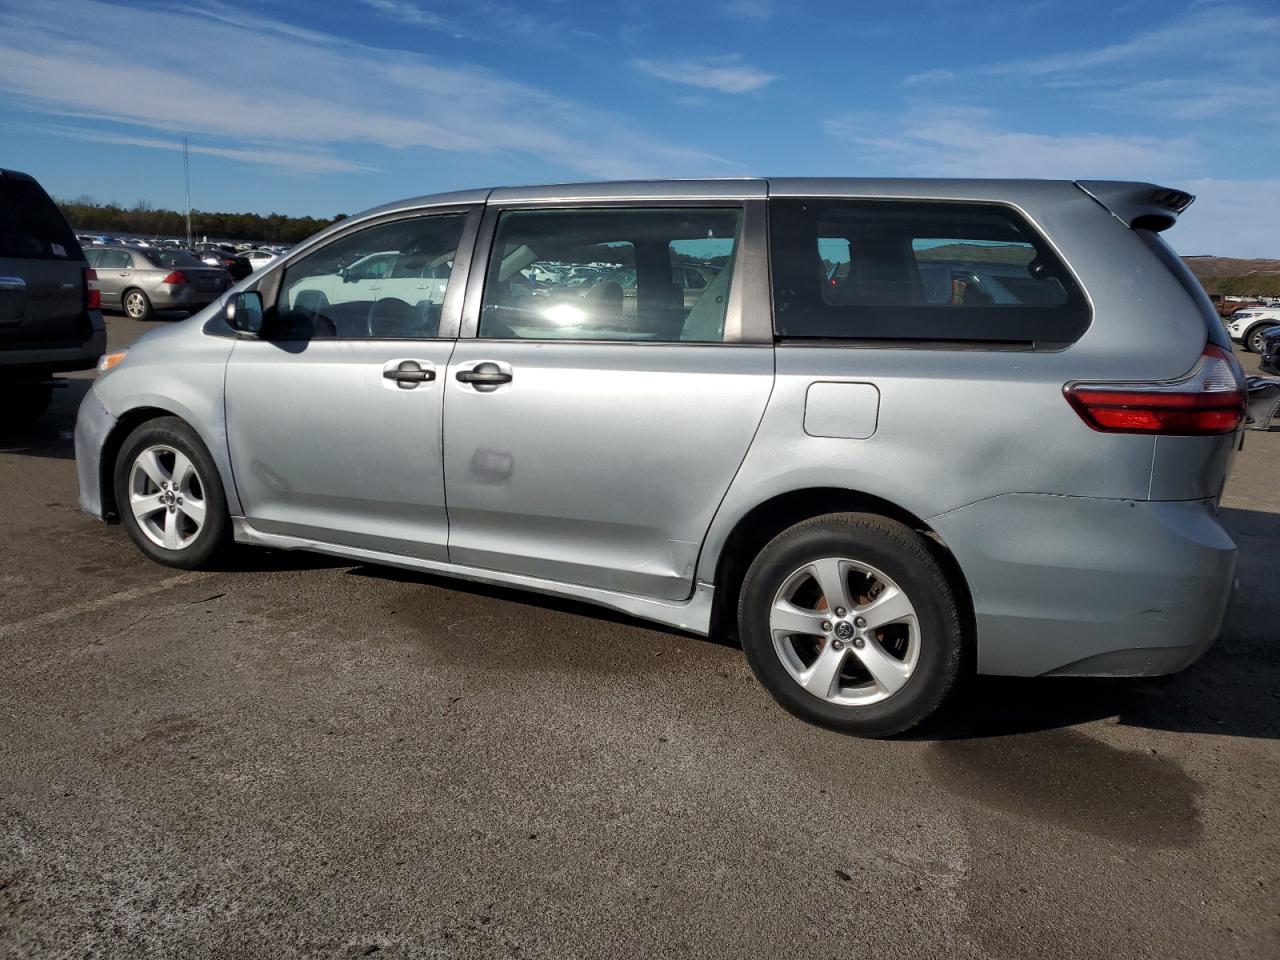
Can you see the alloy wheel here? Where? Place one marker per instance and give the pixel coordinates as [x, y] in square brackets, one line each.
[167, 497]
[845, 632]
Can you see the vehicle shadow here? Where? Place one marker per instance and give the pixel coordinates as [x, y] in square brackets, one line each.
[527, 598]
[1234, 690]
[50, 437]
[247, 559]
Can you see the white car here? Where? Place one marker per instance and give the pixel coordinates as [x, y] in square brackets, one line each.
[1246, 326]
[259, 258]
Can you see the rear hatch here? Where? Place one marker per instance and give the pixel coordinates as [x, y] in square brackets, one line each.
[1197, 417]
[42, 293]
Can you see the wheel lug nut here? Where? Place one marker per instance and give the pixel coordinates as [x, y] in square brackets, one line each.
[860, 622]
[826, 624]
[859, 642]
[840, 611]
[837, 644]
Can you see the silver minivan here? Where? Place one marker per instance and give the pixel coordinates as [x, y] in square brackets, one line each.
[904, 431]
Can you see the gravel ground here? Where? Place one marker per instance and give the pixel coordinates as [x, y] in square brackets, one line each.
[296, 756]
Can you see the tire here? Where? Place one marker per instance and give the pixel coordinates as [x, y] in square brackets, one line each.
[137, 306]
[917, 657]
[166, 527]
[24, 402]
[1253, 337]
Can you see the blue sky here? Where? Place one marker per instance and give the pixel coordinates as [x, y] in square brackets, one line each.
[312, 107]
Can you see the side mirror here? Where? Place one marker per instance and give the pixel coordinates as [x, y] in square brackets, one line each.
[243, 312]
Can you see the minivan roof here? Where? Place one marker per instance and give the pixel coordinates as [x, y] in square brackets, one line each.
[1134, 202]
[1105, 191]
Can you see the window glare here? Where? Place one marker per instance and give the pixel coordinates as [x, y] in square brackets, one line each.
[611, 274]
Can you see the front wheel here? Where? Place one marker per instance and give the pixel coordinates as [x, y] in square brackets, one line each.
[849, 621]
[169, 494]
[1253, 339]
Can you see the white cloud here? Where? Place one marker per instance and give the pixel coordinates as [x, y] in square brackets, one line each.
[725, 74]
[959, 141]
[1216, 31]
[414, 15]
[755, 11]
[928, 76]
[1213, 63]
[237, 78]
[296, 161]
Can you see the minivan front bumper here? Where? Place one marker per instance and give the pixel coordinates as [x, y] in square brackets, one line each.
[1090, 587]
[93, 426]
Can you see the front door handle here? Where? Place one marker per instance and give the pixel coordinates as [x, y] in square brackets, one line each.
[407, 374]
[484, 376]
[13, 284]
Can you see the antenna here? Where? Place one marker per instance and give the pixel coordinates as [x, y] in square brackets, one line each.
[186, 173]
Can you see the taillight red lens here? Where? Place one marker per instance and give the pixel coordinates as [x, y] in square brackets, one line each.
[1208, 401]
[92, 295]
[176, 277]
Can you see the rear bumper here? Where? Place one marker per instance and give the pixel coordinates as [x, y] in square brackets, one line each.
[43, 361]
[182, 297]
[93, 425]
[1090, 587]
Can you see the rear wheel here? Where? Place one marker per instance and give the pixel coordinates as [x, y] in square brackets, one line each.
[849, 621]
[136, 304]
[24, 402]
[169, 494]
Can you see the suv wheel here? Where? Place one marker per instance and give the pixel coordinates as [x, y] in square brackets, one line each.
[136, 305]
[1253, 339]
[849, 621]
[24, 402]
[169, 494]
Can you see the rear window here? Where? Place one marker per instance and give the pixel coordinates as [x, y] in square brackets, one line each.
[172, 258]
[30, 224]
[908, 270]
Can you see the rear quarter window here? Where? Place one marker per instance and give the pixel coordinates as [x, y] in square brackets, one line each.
[894, 270]
[31, 226]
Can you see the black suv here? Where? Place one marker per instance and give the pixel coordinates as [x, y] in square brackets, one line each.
[50, 316]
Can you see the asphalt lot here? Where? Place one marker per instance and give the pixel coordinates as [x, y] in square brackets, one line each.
[298, 756]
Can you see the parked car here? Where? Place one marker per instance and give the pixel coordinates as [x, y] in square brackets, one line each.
[215, 255]
[50, 321]
[140, 280]
[874, 492]
[1270, 352]
[1246, 326]
[259, 258]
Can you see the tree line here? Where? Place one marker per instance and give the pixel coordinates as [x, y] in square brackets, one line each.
[87, 215]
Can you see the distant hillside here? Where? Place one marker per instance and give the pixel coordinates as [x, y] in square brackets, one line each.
[1231, 276]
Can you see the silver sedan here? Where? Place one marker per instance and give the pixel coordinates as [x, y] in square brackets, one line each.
[140, 280]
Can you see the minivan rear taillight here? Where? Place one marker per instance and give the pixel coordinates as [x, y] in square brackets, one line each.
[177, 276]
[1210, 400]
[92, 295]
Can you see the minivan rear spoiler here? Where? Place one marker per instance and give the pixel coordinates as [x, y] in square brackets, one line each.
[1139, 204]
